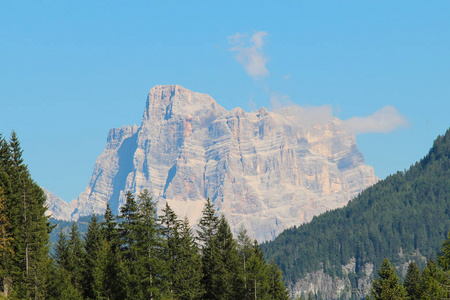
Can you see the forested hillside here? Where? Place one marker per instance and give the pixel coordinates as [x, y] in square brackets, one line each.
[404, 217]
[136, 255]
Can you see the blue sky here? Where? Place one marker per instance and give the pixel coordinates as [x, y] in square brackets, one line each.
[71, 70]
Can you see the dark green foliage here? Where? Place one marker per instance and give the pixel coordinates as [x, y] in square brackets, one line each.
[149, 247]
[413, 282]
[57, 225]
[409, 211]
[387, 286]
[435, 281]
[225, 263]
[234, 269]
[127, 228]
[132, 257]
[92, 264]
[61, 251]
[208, 225]
[76, 256]
[61, 286]
[277, 289]
[26, 268]
[187, 282]
[170, 227]
[181, 257]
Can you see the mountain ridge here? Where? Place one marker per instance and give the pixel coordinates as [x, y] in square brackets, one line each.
[264, 170]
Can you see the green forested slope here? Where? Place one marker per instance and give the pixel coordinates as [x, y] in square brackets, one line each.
[405, 213]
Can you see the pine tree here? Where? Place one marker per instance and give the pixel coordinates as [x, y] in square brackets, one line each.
[92, 277]
[277, 289]
[225, 265]
[111, 269]
[128, 215]
[128, 231]
[444, 257]
[436, 278]
[413, 282]
[208, 225]
[149, 247]
[187, 281]
[257, 276]
[114, 273]
[387, 286]
[28, 270]
[109, 226]
[170, 253]
[61, 286]
[61, 251]
[245, 251]
[76, 256]
[435, 282]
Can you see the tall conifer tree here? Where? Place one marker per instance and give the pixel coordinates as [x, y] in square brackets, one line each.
[76, 256]
[28, 269]
[226, 272]
[149, 247]
[128, 230]
[208, 226]
[413, 282]
[92, 277]
[387, 286]
[187, 282]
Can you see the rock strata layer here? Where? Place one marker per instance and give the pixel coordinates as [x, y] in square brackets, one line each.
[266, 171]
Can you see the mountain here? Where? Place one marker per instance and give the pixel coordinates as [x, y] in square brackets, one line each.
[267, 171]
[403, 218]
[56, 207]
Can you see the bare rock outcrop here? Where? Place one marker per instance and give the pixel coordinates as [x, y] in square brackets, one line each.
[264, 170]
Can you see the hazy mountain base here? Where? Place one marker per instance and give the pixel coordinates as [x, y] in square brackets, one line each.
[82, 224]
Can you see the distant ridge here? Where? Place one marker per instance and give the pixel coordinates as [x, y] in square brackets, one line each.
[404, 217]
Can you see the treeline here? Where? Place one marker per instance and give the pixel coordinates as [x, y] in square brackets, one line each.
[25, 265]
[403, 217]
[136, 255]
[140, 256]
[431, 283]
[82, 224]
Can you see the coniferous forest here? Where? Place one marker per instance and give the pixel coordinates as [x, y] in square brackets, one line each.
[431, 283]
[135, 255]
[404, 218]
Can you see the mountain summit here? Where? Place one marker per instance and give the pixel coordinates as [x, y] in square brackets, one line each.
[266, 171]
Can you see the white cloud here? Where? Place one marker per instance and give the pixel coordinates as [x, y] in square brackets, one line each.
[309, 115]
[385, 120]
[249, 53]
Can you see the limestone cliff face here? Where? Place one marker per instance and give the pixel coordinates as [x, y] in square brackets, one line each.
[264, 170]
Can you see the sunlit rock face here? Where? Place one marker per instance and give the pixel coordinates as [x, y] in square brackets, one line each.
[266, 171]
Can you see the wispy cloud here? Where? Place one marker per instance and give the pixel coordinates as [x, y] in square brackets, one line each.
[385, 120]
[278, 101]
[249, 52]
[309, 115]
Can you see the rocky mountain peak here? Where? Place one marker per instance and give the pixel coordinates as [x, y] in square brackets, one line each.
[266, 171]
[165, 102]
